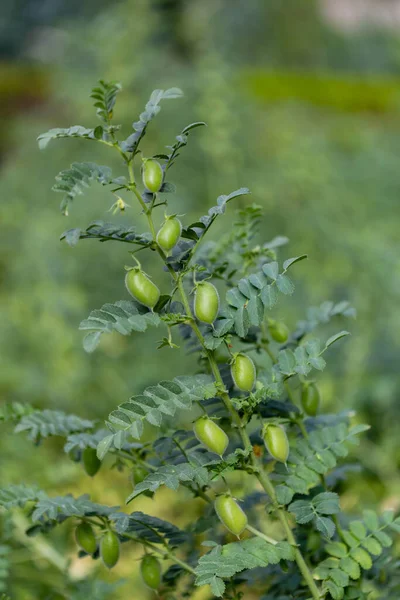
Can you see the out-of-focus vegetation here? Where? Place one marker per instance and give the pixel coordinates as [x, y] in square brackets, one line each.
[305, 115]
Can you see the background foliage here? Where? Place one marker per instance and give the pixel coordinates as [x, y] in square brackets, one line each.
[303, 113]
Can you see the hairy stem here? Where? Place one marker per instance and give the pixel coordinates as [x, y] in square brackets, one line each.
[260, 473]
[164, 553]
[261, 535]
[301, 563]
[38, 545]
[236, 420]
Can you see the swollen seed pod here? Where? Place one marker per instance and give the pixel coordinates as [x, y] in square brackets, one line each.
[85, 538]
[109, 549]
[211, 435]
[310, 399]
[206, 302]
[276, 442]
[152, 175]
[169, 233]
[91, 463]
[278, 331]
[230, 514]
[150, 570]
[243, 372]
[142, 288]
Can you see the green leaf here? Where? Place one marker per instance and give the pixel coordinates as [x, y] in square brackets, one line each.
[269, 296]
[217, 586]
[335, 591]
[318, 363]
[74, 131]
[285, 285]
[242, 322]
[124, 317]
[303, 366]
[222, 327]
[220, 207]
[362, 557]
[91, 341]
[271, 270]
[146, 527]
[81, 441]
[153, 405]
[339, 577]
[335, 338]
[326, 503]
[336, 549]
[373, 546]
[319, 452]
[105, 95]
[323, 314]
[104, 446]
[383, 539]
[193, 126]
[284, 494]
[325, 525]
[350, 566]
[72, 236]
[287, 361]
[73, 181]
[291, 261]
[226, 561]
[170, 476]
[107, 232]
[46, 423]
[211, 342]
[350, 540]
[357, 528]
[303, 511]
[371, 520]
[62, 507]
[19, 495]
[388, 517]
[152, 109]
[311, 509]
[14, 411]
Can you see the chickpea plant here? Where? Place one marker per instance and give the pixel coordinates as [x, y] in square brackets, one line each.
[254, 399]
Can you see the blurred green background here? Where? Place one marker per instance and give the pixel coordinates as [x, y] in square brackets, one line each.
[302, 102]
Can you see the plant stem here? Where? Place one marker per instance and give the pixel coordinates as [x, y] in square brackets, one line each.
[261, 535]
[38, 545]
[302, 428]
[236, 420]
[164, 553]
[258, 467]
[301, 563]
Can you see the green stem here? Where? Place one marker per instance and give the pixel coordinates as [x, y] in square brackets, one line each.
[150, 221]
[302, 428]
[38, 545]
[261, 535]
[258, 467]
[236, 420]
[164, 553]
[301, 563]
